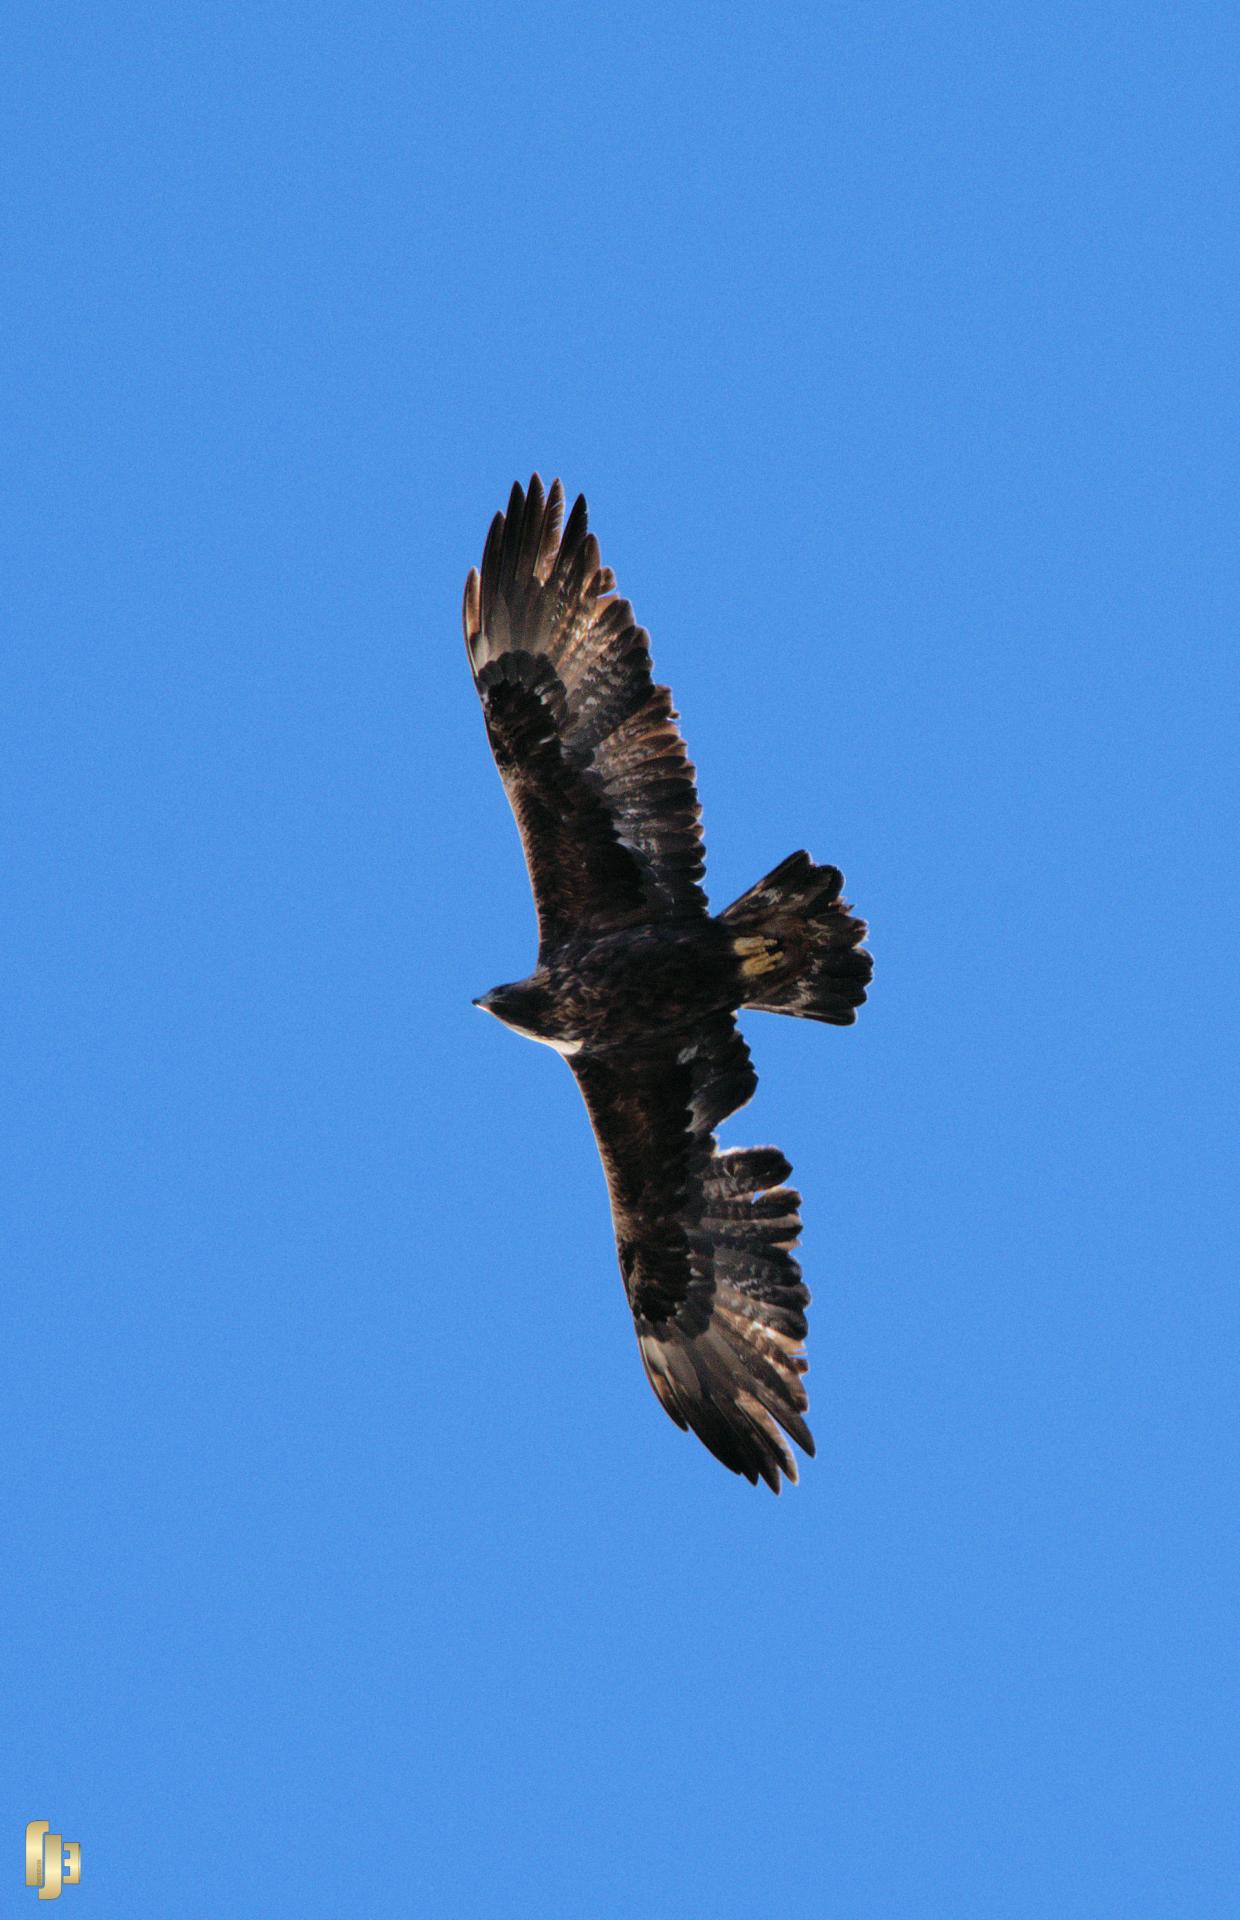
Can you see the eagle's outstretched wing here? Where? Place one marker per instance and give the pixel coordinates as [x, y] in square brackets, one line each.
[587, 745]
[705, 1239]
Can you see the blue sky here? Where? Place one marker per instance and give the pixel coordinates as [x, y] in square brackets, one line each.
[353, 1566]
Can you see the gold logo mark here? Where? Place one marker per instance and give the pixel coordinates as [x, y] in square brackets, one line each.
[50, 1861]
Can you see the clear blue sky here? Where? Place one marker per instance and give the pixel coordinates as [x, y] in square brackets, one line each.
[353, 1567]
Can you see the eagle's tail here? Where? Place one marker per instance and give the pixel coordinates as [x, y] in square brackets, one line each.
[799, 945]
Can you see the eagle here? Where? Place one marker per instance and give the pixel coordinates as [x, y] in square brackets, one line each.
[638, 985]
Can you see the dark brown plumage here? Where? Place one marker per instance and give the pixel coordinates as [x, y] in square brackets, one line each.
[638, 985]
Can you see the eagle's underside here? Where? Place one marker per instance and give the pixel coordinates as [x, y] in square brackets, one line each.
[638, 985]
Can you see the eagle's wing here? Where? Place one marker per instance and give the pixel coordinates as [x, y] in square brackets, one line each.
[705, 1239]
[586, 744]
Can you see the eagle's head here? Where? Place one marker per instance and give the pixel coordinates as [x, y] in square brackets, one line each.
[529, 1007]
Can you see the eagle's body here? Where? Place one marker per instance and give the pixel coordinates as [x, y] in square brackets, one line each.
[583, 995]
[637, 984]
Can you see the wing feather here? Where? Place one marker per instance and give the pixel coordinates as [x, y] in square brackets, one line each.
[705, 1239]
[586, 744]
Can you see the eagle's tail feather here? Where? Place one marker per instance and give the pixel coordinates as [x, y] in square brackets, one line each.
[732, 1370]
[799, 945]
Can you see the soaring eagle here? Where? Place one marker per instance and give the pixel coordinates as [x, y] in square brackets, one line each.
[638, 985]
